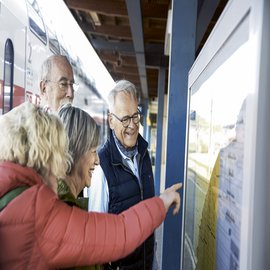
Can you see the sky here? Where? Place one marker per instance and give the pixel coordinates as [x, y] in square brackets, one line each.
[63, 21]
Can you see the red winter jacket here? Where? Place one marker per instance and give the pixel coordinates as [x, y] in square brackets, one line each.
[38, 231]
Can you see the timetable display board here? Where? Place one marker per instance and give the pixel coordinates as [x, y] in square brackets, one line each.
[224, 109]
[215, 167]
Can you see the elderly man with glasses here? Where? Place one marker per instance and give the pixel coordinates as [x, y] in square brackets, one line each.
[57, 84]
[126, 171]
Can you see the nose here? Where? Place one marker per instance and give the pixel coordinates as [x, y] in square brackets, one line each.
[97, 159]
[70, 92]
[131, 123]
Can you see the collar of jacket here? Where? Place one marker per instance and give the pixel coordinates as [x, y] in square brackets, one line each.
[116, 156]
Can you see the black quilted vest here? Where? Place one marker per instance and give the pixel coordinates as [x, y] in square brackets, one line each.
[125, 191]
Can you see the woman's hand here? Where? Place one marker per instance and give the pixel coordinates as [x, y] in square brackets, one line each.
[171, 197]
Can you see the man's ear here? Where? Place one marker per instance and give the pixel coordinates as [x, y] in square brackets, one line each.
[42, 88]
[110, 120]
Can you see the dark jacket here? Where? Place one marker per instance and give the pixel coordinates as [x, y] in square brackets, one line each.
[125, 190]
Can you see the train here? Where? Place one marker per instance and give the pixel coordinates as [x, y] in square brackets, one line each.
[27, 38]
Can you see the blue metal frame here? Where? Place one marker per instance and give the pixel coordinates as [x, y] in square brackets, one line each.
[161, 90]
[182, 56]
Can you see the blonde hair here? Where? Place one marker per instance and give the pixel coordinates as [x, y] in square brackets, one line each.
[36, 139]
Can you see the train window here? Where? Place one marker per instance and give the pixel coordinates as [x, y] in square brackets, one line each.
[53, 42]
[8, 77]
[64, 52]
[35, 21]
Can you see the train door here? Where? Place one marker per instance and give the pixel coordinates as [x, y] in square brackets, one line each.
[12, 54]
[7, 96]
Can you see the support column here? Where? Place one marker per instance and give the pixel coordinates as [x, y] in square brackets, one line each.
[161, 90]
[182, 54]
[145, 115]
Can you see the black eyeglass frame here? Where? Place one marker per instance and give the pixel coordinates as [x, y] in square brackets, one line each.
[135, 117]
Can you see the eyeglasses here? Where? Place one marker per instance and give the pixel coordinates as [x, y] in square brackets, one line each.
[126, 119]
[63, 85]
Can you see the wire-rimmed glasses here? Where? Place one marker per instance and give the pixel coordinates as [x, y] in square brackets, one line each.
[63, 85]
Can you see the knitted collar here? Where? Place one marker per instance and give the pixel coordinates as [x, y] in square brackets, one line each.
[130, 152]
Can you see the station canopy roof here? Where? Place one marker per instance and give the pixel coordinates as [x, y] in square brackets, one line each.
[129, 35]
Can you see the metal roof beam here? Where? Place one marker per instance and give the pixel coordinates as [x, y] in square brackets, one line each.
[135, 21]
[125, 46]
[107, 45]
[114, 31]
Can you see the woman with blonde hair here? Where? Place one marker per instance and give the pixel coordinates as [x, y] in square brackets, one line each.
[37, 230]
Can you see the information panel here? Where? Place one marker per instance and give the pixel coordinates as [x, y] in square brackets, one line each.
[216, 150]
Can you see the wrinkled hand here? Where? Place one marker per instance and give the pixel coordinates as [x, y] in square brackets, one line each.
[171, 197]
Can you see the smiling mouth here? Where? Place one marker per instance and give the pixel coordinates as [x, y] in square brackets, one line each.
[90, 172]
[130, 133]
